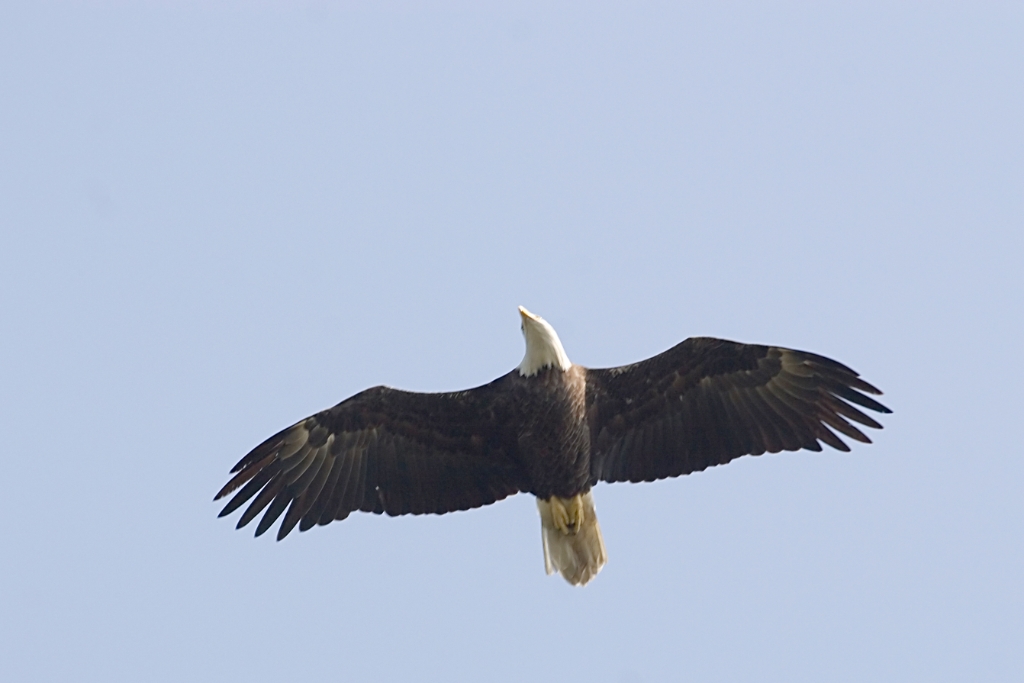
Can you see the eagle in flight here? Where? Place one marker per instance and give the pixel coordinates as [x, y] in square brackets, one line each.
[553, 429]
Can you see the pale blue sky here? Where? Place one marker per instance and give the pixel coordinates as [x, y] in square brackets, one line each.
[215, 220]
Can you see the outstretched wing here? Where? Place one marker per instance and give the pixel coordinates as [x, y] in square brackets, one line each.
[382, 450]
[707, 401]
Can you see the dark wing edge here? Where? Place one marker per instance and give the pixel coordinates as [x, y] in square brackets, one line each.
[382, 451]
[708, 401]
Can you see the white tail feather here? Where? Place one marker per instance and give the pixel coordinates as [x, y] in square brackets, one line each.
[579, 556]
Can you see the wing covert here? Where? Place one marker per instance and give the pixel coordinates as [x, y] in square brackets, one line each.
[707, 401]
[382, 451]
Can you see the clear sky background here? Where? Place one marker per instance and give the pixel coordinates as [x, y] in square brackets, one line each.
[218, 218]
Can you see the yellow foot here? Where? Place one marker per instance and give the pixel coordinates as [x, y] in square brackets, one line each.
[567, 518]
[576, 513]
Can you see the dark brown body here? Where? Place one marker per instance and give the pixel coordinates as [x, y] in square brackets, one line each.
[553, 436]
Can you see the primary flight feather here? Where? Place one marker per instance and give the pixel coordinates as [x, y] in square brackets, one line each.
[553, 429]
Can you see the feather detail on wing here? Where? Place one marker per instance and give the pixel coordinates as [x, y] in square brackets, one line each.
[382, 450]
[707, 401]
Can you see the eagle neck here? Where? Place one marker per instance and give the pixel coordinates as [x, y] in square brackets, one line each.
[543, 350]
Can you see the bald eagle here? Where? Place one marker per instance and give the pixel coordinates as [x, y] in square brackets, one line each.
[553, 429]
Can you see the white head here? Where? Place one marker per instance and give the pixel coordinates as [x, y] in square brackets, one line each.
[543, 347]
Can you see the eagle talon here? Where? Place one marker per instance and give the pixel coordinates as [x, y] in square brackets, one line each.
[576, 518]
[567, 518]
[559, 515]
